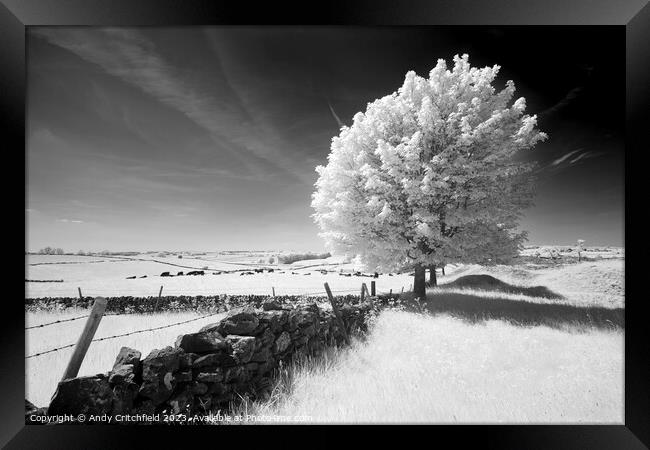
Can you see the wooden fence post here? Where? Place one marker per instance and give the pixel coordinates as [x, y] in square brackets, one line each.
[155, 308]
[81, 297]
[372, 288]
[337, 313]
[86, 337]
[273, 289]
[363, 291]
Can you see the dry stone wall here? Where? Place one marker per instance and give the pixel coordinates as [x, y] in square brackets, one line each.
[206, 370]
[139, 305]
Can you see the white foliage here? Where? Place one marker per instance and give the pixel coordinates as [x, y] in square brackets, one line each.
[426, 174]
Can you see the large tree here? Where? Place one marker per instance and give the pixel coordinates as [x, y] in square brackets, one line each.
[429, 174]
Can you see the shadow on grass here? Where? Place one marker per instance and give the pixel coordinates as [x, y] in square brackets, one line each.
[489, 283]
[475, 309]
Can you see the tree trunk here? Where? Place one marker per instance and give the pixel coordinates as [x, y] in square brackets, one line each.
[419, 282]
[433, 281]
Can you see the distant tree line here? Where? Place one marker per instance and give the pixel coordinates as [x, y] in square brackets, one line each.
[51, 251]
[293, 257]
[60, 251]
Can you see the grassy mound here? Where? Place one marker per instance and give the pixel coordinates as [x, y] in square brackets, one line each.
[489, 283]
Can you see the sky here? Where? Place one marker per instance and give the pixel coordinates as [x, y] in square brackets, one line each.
[207, 138]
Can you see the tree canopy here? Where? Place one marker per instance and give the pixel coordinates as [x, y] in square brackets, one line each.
[427, 174]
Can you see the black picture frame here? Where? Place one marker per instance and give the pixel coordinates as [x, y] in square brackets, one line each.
[634, 15]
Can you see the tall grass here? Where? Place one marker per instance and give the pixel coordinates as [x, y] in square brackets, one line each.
[417, 368]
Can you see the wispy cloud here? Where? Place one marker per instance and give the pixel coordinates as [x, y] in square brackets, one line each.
[133, 58]
[69, 221]
[563, 158]
[570, 159]
[336, 117]
[585, 155]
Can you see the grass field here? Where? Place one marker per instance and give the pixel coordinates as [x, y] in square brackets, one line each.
[99, 275]
[422, 369]
[589, 283]
[477, 356]
[472, 356]
[106, 275]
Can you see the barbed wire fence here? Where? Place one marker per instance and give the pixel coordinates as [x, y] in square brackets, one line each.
[115, 336]
[71, 319]
[57, 321]
[320, 293]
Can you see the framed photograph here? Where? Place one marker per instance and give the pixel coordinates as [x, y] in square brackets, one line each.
[364, 214]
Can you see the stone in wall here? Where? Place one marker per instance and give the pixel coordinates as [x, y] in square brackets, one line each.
[82, 395]
[271, 304]
[206, 340]
[124, 395]
[213, 360]
[33, 410]
[282, 343]
[128, 356]
[275, 320]
[241, 321]
[243, 347]
[158, 369]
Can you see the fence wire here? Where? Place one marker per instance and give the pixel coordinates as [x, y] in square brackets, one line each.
[50, 351]
[155, 328]
[56, 321]
[106, 338]
[47, 324]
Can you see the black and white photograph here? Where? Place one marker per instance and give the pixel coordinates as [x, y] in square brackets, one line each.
[325, 225]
